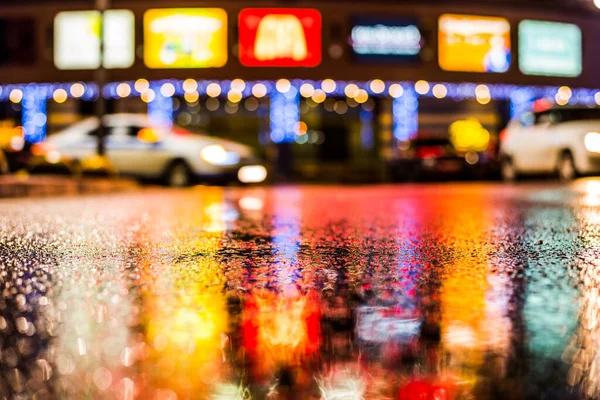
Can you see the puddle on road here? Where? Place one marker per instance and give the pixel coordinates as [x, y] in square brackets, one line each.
[286, 293]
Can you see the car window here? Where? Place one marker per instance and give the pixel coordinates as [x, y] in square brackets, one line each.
[132, 130]
[108, 131]
[543, 118]
[528, 119]
[580, 114]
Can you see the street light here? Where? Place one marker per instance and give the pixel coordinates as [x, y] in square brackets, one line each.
[597, 3]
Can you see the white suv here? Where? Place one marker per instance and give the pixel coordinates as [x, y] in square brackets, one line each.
[565, 141]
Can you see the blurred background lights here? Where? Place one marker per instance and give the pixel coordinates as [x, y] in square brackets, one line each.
[377, 86]
[17, 143]
[307, 90]
[234, 96]
[213, 89]
[77, 90]
[328, 85]
[563, 96]
[396, 90]
[439, 91]
[60, 95]
[251, 104]
[422, 87]
[301, 128]
[191, 97]
[319, 96]
[123, 90]
[238, 85]
[283, 85]
[361, 96]
[597, 98]
[190, 85]
[16, 95]
[259, 90]
[148, 96]
[351, 90]
[251, 203]
[141, 85]
[484, 100]
[167, 89]
[340, 107]
[482, 94]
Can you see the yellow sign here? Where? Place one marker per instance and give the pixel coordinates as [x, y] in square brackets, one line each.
[474, 44]
[469, 135]
[185, 38]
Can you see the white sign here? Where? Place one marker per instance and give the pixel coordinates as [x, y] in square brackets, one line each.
[386, 40]
[77, 39]
[119, 39]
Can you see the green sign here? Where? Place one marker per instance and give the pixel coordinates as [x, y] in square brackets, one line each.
[550, 48]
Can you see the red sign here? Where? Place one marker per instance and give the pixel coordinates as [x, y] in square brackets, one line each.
[280, 37]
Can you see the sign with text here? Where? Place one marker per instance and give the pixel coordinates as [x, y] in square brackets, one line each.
[77, 39]
[280, 37]
[469, 43]
[550, 48]
[377, 39]
[185, 38]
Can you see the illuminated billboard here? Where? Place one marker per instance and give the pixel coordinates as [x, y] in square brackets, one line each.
[280, 37]
[185, 38]
[385, 39]
[77, 39]
[470, 43]
[550, 48]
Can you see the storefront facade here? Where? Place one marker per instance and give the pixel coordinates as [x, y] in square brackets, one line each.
[343, 84]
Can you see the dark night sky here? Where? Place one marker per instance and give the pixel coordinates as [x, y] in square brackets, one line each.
[566, 6]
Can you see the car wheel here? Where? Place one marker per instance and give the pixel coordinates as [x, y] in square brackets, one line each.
[566, 167]
[178, 175]
[508, 170]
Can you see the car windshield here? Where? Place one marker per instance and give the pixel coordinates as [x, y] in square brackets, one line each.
[580, 114]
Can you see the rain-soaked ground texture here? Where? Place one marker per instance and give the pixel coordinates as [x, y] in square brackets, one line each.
[413, 292]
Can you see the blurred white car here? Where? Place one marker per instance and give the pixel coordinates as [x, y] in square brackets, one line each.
[136, 148]
[565, 141]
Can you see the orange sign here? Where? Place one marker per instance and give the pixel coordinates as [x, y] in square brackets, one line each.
[280, 37]
[474, 44]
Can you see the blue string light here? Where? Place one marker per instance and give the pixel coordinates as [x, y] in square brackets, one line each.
[33, 113]
[366, 129]
[284, 115]
[160, 109]
[405, 112]
[284, 110]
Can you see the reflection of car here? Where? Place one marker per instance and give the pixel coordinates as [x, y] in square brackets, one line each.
[430, 157]
[135, 148]
[565, 141]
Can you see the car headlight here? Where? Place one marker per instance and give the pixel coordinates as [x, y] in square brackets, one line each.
[216, 154]
[252, 174]
[592, 142]
[53, 157]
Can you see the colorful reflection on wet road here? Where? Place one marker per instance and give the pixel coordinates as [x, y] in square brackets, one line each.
[414, 292]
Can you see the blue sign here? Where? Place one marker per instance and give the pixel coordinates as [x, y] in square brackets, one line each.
[384, 39]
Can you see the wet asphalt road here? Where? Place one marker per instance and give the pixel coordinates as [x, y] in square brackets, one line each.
[449, 291]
